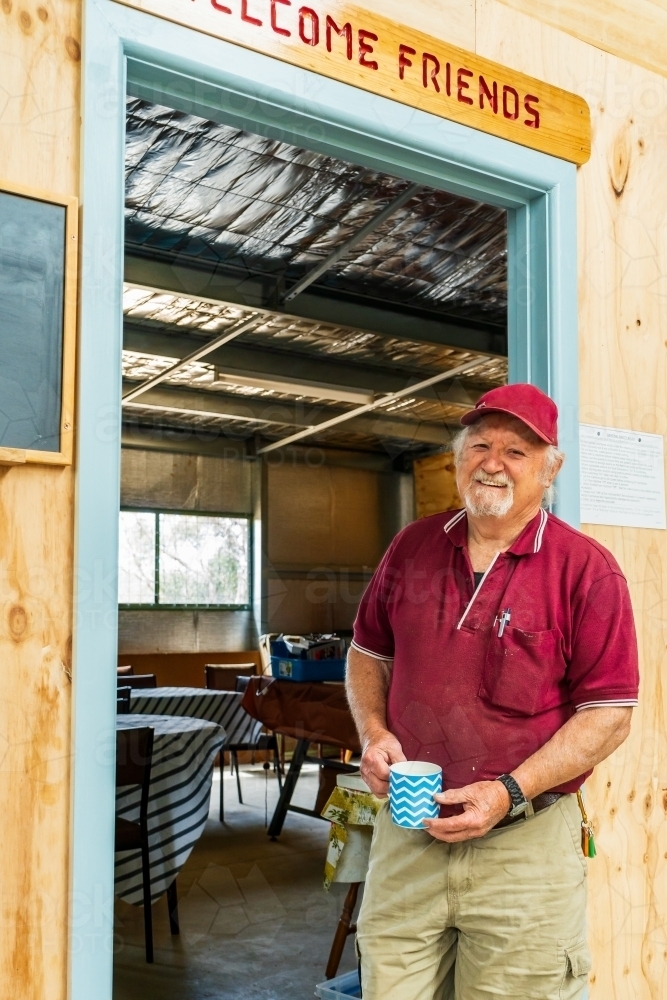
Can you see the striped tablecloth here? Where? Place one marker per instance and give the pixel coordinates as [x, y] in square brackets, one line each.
[222, 707]
[183, 753]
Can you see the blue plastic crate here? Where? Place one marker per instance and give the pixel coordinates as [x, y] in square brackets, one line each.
[288, 668]
[340, 987]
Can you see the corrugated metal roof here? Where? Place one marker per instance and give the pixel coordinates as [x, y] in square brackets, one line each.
[214, 193]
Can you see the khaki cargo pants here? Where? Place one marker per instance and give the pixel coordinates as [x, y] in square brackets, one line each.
[501, 916]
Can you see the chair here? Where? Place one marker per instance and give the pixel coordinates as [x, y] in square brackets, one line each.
[123, 671]
[244, 733]
[134, 755]
[222, 676]
[123, 700]
[137, 681]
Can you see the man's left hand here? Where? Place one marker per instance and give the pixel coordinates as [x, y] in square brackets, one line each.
[485, 803]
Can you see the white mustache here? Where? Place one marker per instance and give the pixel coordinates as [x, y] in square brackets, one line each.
[497, 479]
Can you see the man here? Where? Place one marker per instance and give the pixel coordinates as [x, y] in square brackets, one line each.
[497, 642]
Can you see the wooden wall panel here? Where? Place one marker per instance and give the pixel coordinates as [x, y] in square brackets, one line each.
[435, 484]
[451, 20]
[623, 378]
[635, 30]
[39, 146]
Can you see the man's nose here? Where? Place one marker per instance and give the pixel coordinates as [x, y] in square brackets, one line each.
[492, 463]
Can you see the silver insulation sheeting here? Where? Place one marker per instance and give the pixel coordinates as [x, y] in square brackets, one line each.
[278, 408]
[211, 195]
[261, 207]
[280, 331]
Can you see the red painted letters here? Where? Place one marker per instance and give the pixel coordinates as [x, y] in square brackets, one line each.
[491, 96]
[434, 73]
[274, 18]
[345, 31]
[528, 102]
[462, 85]
[511, 113]
[365, 49]
[314, 36]
[403, 52]
[245, 16]
[430, 71]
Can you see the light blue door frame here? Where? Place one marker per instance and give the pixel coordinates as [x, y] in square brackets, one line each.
[192, 72]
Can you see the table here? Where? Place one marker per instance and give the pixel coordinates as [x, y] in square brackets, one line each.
[221, 707]
[310, 713]
[352, 809]
[178, 803]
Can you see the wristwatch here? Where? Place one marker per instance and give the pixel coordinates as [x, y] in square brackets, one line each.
[519, 802]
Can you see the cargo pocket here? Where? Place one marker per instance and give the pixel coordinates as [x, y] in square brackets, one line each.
[522, 670]
[577, 966]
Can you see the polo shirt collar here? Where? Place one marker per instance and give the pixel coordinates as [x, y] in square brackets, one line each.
[528, 542]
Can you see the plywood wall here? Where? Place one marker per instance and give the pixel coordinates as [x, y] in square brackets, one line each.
[435, 484]
[39, 146]
[623, 377]
[623, 383]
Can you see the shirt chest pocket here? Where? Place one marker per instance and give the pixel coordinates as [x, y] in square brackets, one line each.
[523, 670]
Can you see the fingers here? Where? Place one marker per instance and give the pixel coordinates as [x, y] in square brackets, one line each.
[453, 796]
[376, 784]
[456, 828]
[375, 772]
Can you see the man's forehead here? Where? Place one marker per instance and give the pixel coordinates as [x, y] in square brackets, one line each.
[496, 425]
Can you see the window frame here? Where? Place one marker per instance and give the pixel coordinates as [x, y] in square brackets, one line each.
[156, 606]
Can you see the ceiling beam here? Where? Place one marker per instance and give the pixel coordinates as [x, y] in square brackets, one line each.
[184, 441]
[271, 412]
[199, 352]
[383, 401]
[350, 243]
[183, 276]
[283, 366]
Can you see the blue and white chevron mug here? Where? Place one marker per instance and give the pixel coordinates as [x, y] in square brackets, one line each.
[412, 785]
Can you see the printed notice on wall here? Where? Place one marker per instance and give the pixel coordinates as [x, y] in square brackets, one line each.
[622, 477]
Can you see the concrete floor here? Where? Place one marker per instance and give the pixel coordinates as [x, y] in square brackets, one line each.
[256, 923]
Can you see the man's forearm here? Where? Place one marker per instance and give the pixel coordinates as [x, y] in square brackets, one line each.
[585, 740]
[367, 687]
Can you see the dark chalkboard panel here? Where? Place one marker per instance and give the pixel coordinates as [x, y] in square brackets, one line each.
[32, 292]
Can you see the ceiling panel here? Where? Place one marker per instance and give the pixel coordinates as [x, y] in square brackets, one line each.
[215, 194]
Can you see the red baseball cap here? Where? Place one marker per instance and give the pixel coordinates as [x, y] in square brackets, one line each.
[526, 402]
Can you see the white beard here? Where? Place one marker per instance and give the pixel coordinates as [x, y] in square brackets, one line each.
[489, 502]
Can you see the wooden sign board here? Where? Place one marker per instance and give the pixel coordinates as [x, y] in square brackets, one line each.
[38, 270]
[369, 51]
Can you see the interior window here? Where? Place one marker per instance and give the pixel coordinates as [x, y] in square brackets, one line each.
[183, 560]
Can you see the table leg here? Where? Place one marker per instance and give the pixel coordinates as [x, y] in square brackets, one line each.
[289, 785]
[345, 927]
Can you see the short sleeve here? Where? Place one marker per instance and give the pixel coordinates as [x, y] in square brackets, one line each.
[373, 633]
[604, 667]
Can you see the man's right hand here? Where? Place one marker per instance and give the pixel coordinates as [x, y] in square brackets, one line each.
[380, 750]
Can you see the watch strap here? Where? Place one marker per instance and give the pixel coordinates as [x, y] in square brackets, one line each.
[518, 801]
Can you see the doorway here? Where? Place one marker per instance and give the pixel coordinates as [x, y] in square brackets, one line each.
[151, 59]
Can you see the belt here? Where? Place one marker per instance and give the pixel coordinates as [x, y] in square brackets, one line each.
[539, 803]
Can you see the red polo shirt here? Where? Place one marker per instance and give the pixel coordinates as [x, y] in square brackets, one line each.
[476, 702]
